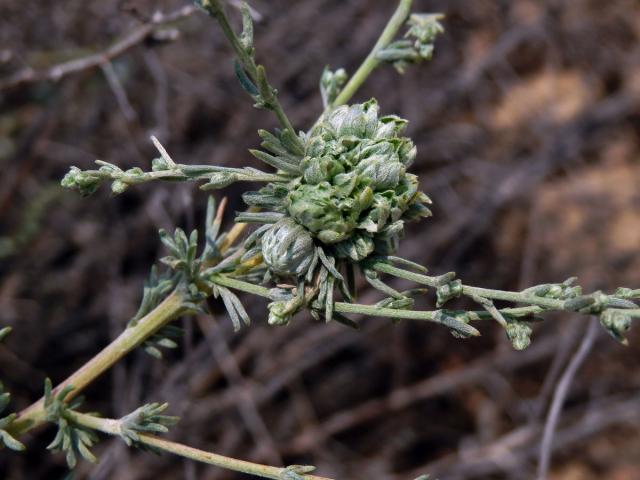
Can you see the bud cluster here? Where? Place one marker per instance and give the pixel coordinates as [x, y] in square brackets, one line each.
[352, 194]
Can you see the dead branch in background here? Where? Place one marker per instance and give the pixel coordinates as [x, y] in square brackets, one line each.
[128, 41]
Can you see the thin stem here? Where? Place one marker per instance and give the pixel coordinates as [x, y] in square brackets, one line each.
[129, 339]
[371, 62]
[214, 7]
[241, 285]
[345, 307]
[112, 427]
[516, 297]
[235, 232]
[181, 172]
[434, 282]
[544, 459]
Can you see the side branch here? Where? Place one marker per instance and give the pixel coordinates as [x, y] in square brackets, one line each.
[257, 84]
[112, 427]
[371, 62]
[132, 337]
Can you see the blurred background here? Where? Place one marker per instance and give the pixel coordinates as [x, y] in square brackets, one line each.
[527, 123]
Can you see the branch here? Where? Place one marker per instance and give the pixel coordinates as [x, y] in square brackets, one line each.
[133, 38]
[553, 417]
[372, 60]
[87, 182]
[135, 335]
[113, 427]
[129, 339]
[256, 84]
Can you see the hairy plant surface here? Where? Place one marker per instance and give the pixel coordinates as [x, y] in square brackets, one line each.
[334, 203]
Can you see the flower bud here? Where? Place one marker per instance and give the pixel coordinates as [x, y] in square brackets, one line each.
[287, 248]
[617, 323]
[350, 190]
[84, 182]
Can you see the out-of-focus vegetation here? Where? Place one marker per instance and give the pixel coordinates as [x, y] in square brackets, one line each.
[526, 123]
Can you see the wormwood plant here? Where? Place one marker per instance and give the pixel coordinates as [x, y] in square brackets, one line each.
[333, 205]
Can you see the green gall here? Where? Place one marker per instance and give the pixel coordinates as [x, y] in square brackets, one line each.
[354, 177]
[287, 248]
[349, 191]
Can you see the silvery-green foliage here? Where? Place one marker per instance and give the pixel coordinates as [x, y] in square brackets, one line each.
[87, 182]
[560, 291]
[84, 182]
[337, 202]
[6, 438]
[352, 194]
[145, 419]
[296, 472]
[287, 248]
[417, 44]
[165, 338]
[235, 309]
[519, 333]
[156, 288]
[72, 439]
[331, 84]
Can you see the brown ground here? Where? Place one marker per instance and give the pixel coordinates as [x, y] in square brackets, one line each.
[527, 123]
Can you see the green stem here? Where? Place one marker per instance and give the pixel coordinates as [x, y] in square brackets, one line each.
[129, 339]
[186, 172]
[355, 308]
[112, 427]
[214, 7]
[241, 285]
[516, 297]
[371, 62]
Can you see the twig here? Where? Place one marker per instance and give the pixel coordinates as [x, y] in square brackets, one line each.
[132, 337]
[246, 405]
[129, 339]
[255, 72]
[112, 427]
[371, 62]
[118, 91]
[133, 38]
[559, 396]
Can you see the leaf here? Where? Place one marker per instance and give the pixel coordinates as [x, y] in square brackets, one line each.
[246, 37]
[10, 442]
[145, 419]
[234, 307]
[3, 334]
[72, 439]
[244, 80]
[278, 162]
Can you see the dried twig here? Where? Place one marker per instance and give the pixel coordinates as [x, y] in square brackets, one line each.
[133, 38]
[559, 396]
